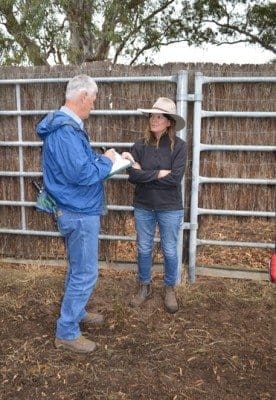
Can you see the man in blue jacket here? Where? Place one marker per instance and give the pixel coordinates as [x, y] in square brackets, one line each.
[73, 175]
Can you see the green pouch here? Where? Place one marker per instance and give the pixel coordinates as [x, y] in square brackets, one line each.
[45, 202]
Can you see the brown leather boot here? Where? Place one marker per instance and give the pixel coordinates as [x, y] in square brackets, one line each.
[170, 300]
[143, 294]
[79, 345]
[93, 319]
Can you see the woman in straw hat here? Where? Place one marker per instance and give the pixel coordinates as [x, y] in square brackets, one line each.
[157, 174]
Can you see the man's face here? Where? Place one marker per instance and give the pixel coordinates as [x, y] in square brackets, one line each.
[88, 99]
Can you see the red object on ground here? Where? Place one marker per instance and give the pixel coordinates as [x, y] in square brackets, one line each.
[272, 268]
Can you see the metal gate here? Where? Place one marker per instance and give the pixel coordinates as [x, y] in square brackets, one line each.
[199, 147]
[182, 99]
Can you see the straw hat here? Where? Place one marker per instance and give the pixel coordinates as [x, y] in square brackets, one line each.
[163, 105]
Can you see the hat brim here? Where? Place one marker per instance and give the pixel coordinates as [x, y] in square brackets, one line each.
[179, 121]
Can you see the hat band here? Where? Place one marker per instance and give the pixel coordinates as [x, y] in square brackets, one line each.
[161, 109]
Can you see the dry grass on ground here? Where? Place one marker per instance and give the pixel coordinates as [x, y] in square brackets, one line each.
[218, 346]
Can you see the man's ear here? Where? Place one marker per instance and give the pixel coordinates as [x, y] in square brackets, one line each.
[83, 95]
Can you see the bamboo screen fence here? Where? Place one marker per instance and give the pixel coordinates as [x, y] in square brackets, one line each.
[130, 96]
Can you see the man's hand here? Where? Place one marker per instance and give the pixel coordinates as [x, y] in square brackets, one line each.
[110, 153]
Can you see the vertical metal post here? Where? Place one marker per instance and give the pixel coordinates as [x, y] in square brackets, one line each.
[182, 107]
[195, 175]
[20, 153]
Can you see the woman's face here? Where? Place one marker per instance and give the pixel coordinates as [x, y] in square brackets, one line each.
[158, 124]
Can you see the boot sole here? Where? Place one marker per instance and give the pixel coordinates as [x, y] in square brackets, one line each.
[69, 348]
[171, 311]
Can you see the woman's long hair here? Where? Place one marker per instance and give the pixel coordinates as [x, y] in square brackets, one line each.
[149, 137]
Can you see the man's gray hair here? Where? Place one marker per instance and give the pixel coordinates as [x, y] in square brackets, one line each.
[80, 83]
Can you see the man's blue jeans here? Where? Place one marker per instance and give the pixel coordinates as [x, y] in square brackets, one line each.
[169, 224]
[81, 234]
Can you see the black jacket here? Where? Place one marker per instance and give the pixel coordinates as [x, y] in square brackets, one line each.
[153, 193]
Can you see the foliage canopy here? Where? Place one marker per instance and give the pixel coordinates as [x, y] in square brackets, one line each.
[35, 32]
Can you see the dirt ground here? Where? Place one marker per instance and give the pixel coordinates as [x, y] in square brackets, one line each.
[218, 346]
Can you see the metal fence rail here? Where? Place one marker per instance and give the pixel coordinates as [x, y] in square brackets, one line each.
[198, 147]
[182, 98]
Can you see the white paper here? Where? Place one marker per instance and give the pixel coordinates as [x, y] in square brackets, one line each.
[119, 164]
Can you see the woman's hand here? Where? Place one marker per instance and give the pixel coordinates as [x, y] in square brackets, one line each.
[136, 165]
[128, 156]
[163, 172]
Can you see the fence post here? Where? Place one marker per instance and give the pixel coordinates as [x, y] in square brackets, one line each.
[182, 106]
[195, 176]
[20, 154]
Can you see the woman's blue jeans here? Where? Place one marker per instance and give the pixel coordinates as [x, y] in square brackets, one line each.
[169, 224]
[81, 233]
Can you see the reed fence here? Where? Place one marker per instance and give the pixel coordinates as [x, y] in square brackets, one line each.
[127, 129]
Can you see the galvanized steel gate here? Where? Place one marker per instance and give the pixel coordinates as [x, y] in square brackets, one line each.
[199, 147]
[182, 99]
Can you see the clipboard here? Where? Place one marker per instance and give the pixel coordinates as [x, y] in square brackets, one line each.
[119, 165]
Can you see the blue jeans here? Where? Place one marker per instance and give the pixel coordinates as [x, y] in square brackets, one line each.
[81, 234]
[169, 224]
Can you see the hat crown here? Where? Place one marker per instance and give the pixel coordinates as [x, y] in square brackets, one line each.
[165, 105]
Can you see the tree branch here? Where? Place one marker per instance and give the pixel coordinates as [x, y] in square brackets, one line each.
[253, 38]
[14, 29]
[138, 28]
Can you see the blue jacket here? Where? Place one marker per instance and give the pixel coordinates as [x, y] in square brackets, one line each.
[73, 173]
